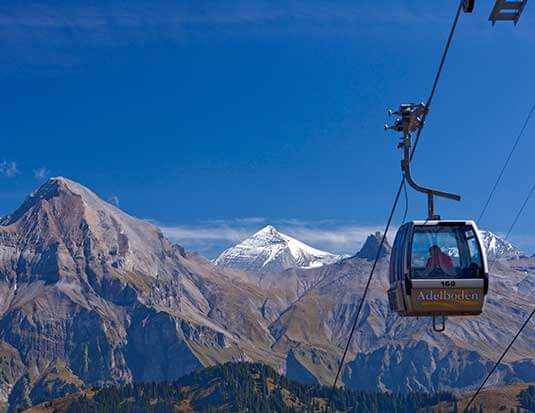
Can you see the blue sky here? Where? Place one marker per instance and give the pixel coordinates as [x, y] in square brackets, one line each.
[214, 119]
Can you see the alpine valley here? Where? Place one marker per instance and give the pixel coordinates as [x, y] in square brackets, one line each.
[92, 296]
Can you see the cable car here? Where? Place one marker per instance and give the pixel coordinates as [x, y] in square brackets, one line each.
[438, 268]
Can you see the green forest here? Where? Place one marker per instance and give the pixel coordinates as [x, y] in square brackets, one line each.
[245, 387]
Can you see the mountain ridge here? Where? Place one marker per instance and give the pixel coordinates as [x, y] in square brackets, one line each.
[92, 296]
[498, 247]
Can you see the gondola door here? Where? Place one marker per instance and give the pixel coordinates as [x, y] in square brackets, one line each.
[398, 273]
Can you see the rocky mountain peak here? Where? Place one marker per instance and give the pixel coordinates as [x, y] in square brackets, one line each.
[58, 184]
[59, 191]
[61, 186]
[270, 250]
[498, 247]
[268, 229]
[69, 225]
[371, 246]
[267, 234]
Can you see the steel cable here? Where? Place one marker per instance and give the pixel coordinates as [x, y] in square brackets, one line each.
[499, 178]
[498, 362]
[519, 213]
[396, 200]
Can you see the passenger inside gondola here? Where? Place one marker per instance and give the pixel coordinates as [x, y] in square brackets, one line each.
[439, 251]
[438, 260]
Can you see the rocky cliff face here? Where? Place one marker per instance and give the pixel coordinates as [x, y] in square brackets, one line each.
[111, 300]
[90, 295]
[371, 247]
[399, 354]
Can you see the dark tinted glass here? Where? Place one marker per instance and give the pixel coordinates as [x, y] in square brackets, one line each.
[445, 252]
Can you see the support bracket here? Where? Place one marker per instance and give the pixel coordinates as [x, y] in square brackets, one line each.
[412, 119]
[507, 10]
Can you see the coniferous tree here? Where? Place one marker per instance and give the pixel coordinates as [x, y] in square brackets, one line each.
[252, 388]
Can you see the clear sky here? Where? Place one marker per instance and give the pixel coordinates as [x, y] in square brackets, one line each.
[215, 118]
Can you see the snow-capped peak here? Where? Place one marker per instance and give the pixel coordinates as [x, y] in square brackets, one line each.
[271, 250]
[498, 247]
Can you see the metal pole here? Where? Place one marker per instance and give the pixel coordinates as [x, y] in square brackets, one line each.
[431, 207]
[410, 121]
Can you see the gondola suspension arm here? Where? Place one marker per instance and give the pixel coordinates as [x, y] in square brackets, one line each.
[410, 121]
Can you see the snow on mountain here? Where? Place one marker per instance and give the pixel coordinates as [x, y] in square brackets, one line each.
[498, 247]
[269, 250]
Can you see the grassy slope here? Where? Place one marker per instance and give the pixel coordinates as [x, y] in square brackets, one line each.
[494, 399]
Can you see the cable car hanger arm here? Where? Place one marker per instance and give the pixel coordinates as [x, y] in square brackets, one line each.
[410, 121]
[406, 168]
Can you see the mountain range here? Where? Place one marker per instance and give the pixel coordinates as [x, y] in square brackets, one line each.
[92, 296]
[269, 250]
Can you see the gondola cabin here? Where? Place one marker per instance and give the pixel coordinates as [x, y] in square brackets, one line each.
[438, 268]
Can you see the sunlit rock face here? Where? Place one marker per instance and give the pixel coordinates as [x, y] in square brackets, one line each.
[109, 298]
